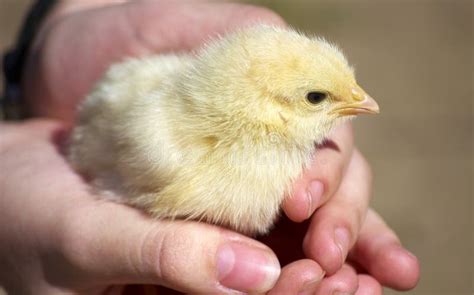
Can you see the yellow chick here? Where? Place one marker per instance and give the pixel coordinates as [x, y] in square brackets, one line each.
[220, 135]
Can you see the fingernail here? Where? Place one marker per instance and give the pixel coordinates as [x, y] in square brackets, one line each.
[308, 287]
[247, 269]
[342, 240]
[315, 193]
[411, 255]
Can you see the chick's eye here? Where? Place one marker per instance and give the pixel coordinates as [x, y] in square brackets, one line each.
[316, 97]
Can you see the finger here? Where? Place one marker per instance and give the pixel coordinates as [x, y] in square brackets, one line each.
[107, 242]
[112, 33]
[368, 286]
[344, 281]
[378, 250]
[320, 181]
[335, 226]
[300, 277]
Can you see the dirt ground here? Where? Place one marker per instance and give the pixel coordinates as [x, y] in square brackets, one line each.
[414, 57]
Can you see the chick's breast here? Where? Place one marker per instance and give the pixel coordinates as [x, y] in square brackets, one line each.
[233, 186]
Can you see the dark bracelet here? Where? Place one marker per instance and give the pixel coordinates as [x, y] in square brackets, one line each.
[11, 105]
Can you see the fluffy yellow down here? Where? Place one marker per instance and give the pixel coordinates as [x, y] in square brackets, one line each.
[218, 135]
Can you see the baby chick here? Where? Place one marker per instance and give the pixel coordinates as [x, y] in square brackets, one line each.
[218, 136]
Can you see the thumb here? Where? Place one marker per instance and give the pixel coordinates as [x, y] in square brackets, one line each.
[119, 245]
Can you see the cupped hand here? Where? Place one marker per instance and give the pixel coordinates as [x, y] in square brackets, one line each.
[74, 48]
[57, 238]
[337, 230]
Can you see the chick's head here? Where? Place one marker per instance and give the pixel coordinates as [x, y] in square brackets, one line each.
[278, 81]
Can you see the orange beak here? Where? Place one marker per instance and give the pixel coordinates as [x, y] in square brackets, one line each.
[360, 103]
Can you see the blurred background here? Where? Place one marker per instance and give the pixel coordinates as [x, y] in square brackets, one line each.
[416, 59]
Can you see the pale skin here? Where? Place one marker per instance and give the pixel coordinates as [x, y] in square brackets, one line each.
[62, 240]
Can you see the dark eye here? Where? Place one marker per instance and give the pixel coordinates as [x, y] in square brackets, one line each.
[316, 97]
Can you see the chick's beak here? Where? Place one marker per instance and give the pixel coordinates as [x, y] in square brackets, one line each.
[359, 103]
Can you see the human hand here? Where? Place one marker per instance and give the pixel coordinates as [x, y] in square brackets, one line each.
[141, 28]
[58, 238]
[367, 256]
[76, 45]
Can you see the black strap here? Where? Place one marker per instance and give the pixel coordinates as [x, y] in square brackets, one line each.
[14, 60]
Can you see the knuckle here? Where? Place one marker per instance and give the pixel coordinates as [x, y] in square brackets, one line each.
[146, 258]
[167, 267]
[180, 255]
